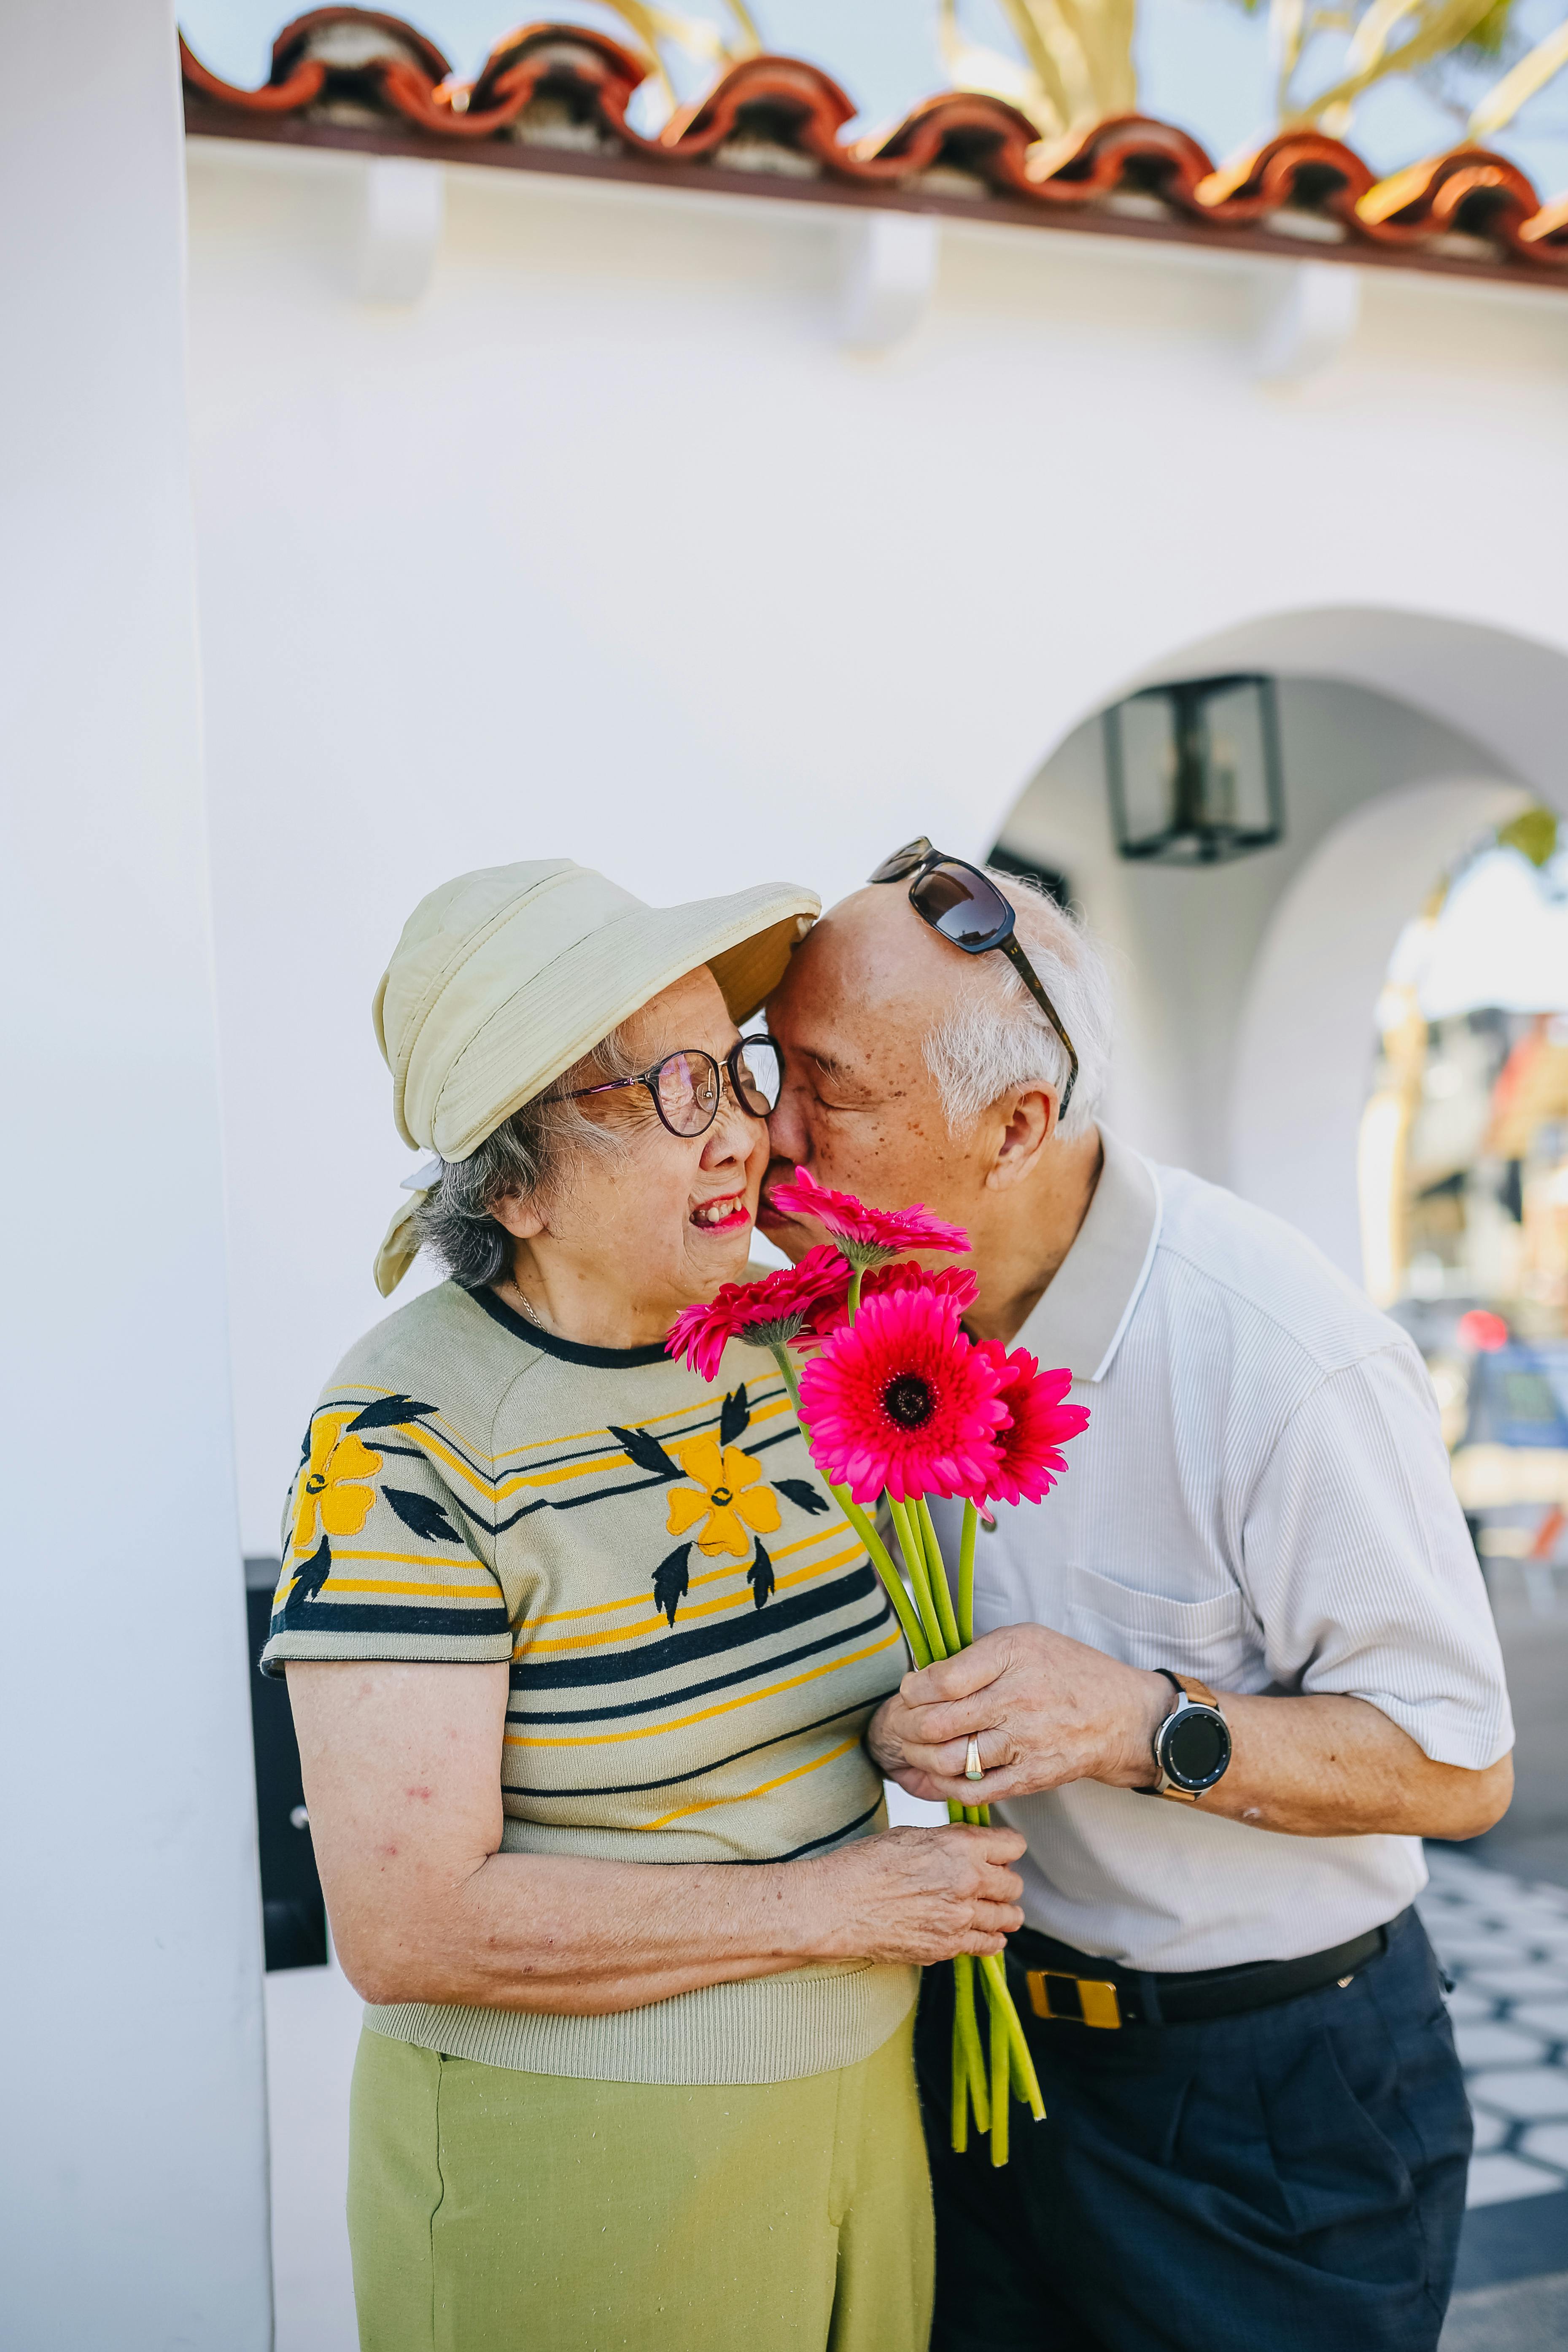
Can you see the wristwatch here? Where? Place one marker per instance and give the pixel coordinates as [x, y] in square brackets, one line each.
[1192, 1746]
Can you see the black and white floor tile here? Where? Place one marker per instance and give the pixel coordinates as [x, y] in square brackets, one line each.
[1504, 1942]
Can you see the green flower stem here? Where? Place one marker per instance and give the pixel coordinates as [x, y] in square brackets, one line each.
[936, 1570]
[782, 1358]
[968, 2064]
[1001, 2001]
[856, 1276]
[966, 1575]
[877, 1550]
[892, 1582]
[958, 2094]
[1001, 2052]
[913, 1551]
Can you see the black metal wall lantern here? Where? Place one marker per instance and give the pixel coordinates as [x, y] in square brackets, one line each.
[1195, 772]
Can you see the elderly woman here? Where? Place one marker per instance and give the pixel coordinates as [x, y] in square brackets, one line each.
[580, 1654]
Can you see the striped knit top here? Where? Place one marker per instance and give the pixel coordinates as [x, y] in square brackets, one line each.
[696, 1642]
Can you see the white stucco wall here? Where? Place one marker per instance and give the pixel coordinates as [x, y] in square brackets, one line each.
[132, 2162]
[606, 548]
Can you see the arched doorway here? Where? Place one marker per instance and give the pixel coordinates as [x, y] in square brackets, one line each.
[1247, 991]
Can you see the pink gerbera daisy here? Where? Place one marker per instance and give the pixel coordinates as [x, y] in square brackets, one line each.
[954, 1284]
[901, 1399]
[1028, 1458]
[868, 1237]
[765, 1314]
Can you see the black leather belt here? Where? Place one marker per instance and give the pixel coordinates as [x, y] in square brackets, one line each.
[1069, 1988]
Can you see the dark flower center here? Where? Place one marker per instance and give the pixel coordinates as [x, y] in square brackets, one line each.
[722, 1496]
[908, 1400]
[314, 1483]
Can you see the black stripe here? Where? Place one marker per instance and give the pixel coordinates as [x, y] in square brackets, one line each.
[755, 1861]
[674, 1779]
[614, 1494]
[671, 1699]
[355, 1617]
[701, 1642]
[550, 1343]
[605, 1444]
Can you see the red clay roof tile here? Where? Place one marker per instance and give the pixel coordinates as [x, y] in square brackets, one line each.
[555, 97]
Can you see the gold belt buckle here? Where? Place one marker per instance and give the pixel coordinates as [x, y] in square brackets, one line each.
[1098, 2004]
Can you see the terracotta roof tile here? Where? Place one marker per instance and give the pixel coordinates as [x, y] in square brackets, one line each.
[555, 97]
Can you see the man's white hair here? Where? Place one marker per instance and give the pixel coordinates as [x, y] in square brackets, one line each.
[996, 1038]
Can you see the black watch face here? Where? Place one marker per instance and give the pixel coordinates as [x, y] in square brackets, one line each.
[1195, 1748]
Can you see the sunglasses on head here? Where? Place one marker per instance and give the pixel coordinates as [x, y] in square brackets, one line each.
[969, 911]
[688, 1086]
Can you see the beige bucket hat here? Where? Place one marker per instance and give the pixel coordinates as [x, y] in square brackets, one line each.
[503, 977]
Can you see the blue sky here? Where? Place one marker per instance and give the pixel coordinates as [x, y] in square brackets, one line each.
[1201, 63]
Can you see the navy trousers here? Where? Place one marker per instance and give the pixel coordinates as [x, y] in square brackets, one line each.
[1289, 2180]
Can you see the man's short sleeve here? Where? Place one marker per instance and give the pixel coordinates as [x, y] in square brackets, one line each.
[380, 1560]
[1361, 1568]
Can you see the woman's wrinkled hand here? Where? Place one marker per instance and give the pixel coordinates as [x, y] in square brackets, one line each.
[918, 1895]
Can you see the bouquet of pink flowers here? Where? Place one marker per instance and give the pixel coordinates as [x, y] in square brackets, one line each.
[899, 1404]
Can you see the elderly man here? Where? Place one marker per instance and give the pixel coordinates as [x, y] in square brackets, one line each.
[1253, 1596]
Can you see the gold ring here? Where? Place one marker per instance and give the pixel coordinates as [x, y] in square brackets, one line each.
[974, 1770]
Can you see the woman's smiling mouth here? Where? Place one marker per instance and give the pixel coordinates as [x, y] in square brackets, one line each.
[722, 1216]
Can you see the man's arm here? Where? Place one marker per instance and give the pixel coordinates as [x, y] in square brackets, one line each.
[1048, 1710]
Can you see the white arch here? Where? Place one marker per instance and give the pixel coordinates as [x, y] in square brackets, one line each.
[1302, 1058]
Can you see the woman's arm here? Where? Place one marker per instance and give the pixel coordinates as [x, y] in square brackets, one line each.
[402, 1769]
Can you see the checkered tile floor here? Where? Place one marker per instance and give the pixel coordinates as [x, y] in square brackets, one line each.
[1505, 1942]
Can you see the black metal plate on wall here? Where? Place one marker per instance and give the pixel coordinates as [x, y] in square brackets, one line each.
[293, 1912]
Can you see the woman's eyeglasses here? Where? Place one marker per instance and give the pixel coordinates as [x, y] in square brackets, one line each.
[970, 912]
[688, 1086]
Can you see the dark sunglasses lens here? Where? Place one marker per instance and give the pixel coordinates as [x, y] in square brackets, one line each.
[902, 861]
[757, 1067]
[964, 907]
[686, 1085]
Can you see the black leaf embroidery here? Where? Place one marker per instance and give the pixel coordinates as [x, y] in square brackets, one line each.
[759, 1577]
[422, 1513]
[734, 1415]
[669, 1581]
[309, 1581]
[806, 1497]
[390, 1412]
[645, 1452]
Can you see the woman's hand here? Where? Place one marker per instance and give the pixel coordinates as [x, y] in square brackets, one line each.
[918, 1895]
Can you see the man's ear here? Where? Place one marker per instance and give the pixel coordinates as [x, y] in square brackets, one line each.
[1027, 1121]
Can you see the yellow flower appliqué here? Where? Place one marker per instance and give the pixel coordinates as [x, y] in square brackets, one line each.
[732, 1499]
[329, 1482]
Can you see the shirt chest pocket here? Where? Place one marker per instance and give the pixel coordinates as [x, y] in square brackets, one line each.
[1214, 1640]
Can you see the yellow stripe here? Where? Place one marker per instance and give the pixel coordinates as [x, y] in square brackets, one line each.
[570, 1438]
[425, 1591]
[525, 1648]
[639, 1599]
[704, 1715]
[510, 1484]
[766, 1789]
[398, 1559]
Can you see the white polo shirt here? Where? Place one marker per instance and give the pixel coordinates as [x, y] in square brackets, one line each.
[1261, 1499]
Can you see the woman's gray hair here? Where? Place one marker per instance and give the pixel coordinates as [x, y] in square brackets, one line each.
[996, 1038]
[530, 1153]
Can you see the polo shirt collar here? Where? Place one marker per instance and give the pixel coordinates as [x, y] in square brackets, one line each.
[1088, 1302]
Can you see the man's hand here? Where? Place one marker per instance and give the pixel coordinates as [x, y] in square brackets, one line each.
[1044, 1709]
[1047, 1710]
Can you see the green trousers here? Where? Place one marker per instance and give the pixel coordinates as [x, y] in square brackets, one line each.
[497, 2211]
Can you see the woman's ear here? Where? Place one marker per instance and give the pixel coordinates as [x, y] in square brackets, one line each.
[519, 1214]
[1028, 1121]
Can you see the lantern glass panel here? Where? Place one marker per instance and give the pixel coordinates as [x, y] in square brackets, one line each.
[1194, 771]
[1147, 727]
[1236, 765]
